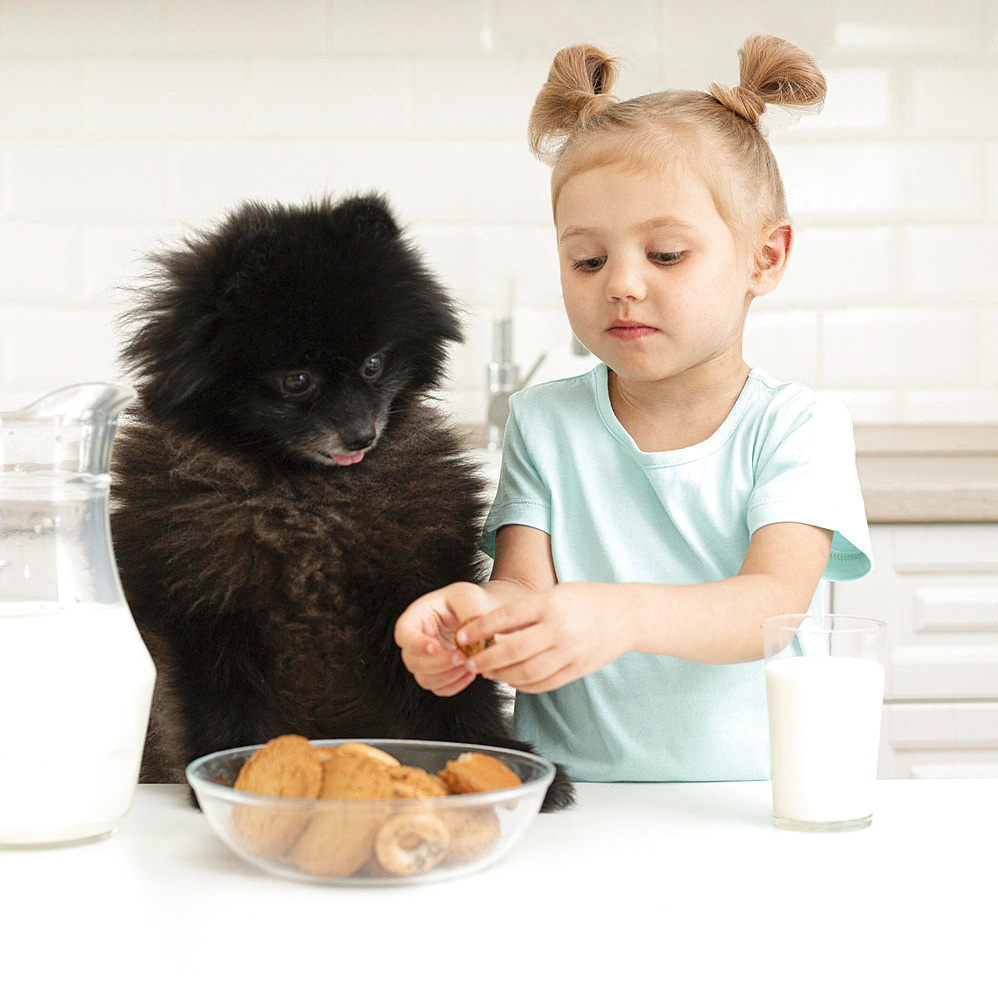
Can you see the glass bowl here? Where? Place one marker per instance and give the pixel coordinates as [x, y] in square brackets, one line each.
[321, 840]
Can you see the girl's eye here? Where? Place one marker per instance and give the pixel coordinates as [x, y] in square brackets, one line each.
[298, 384]
[589, 264]
[667, 258]
[373, 367]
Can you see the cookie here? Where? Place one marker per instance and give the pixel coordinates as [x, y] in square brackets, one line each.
[337, 844]
[477, 772]
[289, 767]
[472, 833]
[411, 843]
[364, 750]
[415, 783]
[469, 649]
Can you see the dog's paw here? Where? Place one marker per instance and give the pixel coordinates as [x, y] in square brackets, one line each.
[560, 794]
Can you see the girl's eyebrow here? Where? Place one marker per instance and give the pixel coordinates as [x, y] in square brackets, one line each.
[659, 222]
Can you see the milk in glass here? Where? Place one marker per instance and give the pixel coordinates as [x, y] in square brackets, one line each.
[824, 718]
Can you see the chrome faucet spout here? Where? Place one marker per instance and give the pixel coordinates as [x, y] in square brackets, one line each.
[503, 380]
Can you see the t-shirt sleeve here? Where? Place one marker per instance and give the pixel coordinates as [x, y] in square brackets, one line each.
[522, 496]
[807, 474]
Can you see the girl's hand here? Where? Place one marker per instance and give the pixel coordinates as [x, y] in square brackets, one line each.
[425, 634]
[552, 636]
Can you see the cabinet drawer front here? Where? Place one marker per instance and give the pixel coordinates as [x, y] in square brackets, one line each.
[956, 608]
[931, 670]
[971, 725]
[936, 586]
[939, 741]
[927, 548]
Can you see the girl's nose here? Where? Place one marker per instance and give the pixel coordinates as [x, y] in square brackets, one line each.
[623, 280]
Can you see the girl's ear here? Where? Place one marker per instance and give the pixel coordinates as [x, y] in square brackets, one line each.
[772, 251]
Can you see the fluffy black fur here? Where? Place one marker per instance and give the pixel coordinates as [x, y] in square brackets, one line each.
[266, 576]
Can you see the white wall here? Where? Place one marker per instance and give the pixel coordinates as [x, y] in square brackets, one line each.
[124, 121]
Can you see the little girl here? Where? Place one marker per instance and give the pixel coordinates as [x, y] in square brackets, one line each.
[653, 512]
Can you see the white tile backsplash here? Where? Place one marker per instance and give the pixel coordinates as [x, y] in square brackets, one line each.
[953, 264]
[164, 97]
[242, 26]
[81, 181]
[315, 96]
[75, 27]
[884, 347]
[124, 121]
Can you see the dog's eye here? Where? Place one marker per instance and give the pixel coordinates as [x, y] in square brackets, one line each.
[373, 367]
[298, 384]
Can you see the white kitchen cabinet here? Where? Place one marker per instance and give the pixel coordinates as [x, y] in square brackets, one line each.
[936, 586]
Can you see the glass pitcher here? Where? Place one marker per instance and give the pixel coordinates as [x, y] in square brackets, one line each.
[76, 679]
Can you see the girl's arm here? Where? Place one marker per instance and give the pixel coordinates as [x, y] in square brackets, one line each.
[553, 634]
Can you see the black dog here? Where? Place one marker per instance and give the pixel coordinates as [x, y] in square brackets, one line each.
[283, 490]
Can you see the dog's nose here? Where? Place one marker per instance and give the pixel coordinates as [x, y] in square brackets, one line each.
[357, 439]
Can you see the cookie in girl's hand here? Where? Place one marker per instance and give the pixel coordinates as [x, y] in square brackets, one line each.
[476, 647]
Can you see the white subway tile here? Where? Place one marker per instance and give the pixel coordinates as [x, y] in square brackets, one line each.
[205, 179]
[408, 26]
[42, 262]
[546, 332]
[39, 97]
[900, 348]
[630, 29]
[989, 353]
[899, 26]
[236, 26]
[83, 180]
[81, 26]
[44, 348]
[883, 180]
[784, 343]
[330, 97]
[700, 41]
[871, 406]
[478, 262]
[956, 406]
[991, 179]
[858, 99]
[115, 260]
[163, 97]
[485, 97]
[484, 182]
[956, 99]
[840, 266]
[953, 264]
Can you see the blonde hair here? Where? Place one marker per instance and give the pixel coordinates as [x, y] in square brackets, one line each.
[577, 124]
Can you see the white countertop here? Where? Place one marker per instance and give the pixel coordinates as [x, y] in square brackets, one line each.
[651, 890]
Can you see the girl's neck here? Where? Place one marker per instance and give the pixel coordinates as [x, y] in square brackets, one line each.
[679, 411]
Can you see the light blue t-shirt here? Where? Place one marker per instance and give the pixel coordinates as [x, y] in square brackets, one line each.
[617, 514]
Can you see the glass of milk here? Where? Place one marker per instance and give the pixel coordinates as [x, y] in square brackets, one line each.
[825, 690]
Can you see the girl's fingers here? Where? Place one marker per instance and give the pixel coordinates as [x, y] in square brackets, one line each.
[515, 657]
[460, 682]
[509, 618]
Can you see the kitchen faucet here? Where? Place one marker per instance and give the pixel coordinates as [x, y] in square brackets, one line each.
[503, 381]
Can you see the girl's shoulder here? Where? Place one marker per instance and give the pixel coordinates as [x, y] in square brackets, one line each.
[779, 409]
[784, 401]
[559, 396]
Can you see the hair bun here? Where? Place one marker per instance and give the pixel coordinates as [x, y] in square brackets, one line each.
[579, 87]
[772, 71]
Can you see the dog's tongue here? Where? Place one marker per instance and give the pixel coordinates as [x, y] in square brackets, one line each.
[350, 459]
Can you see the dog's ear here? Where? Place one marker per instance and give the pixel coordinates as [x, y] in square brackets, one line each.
[371, 215]
[172, 357]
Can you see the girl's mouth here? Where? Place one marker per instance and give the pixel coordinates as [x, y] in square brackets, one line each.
[628, 329]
